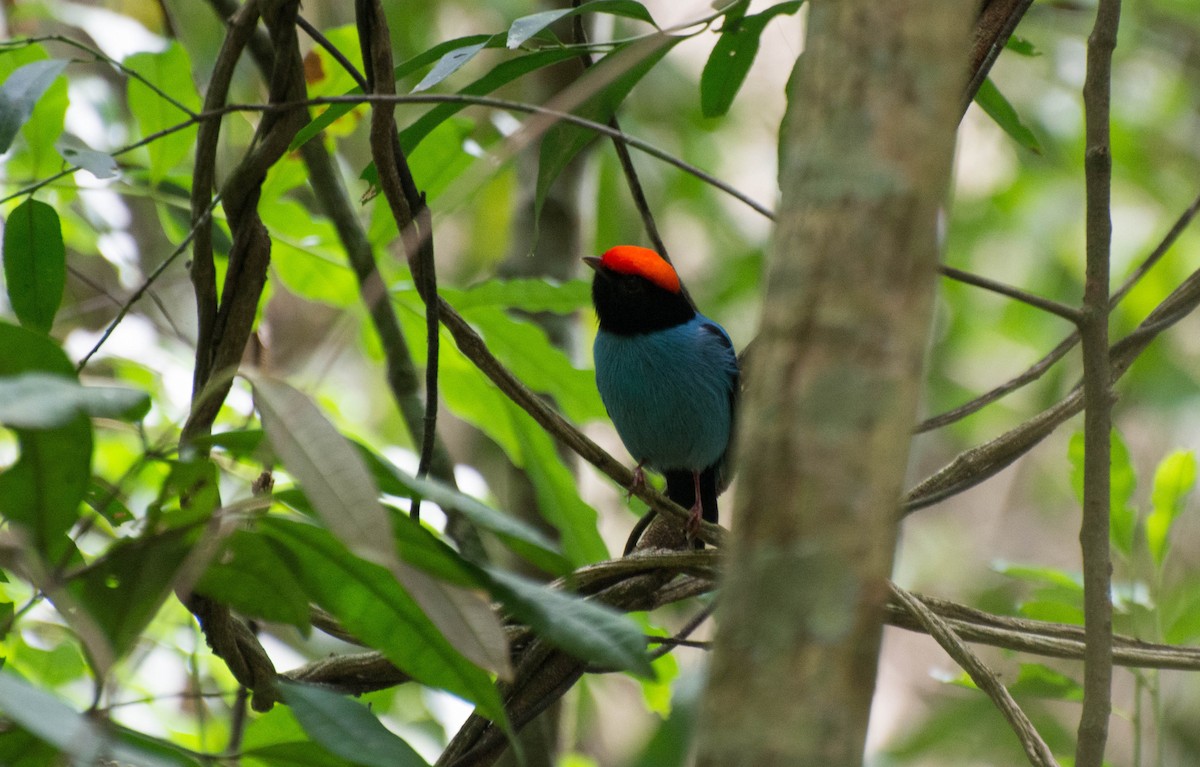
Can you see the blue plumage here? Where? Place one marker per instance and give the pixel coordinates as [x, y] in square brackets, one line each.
[669, 392]
[667, 374]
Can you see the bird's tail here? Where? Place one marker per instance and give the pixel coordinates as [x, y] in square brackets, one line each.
[681, 488]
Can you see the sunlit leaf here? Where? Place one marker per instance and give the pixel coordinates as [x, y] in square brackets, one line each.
[1174, 480]
[527, 295]
[1123, 483]
[35, 263]
[556, 489]
[1021, 46]
[1038, 680]
[171, 72]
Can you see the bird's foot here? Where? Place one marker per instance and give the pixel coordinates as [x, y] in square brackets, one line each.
[693, 522]
[639, 481]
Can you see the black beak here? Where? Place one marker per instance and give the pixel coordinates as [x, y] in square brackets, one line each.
[593, 262]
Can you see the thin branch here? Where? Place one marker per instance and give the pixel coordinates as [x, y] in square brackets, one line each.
[1097, 380]
[631, 175]
[407, 204]
[997, 20]
[1058, 352]
[145, 286]
[333, 51]
[1036, 750]
[1068, 313]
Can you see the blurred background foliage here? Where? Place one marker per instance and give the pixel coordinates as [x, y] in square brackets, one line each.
[1016, 216]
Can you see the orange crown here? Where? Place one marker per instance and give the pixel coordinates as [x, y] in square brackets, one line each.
[644, 262]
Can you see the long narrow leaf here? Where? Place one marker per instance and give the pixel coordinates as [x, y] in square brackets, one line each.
[348, 729]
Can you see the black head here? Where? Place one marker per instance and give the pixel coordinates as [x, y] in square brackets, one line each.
[636, 291]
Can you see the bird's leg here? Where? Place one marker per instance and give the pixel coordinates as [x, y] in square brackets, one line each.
[639, 480]
[693, 522]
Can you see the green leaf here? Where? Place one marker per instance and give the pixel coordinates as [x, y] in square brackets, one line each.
[327, 467]
[171, 72]
[252, 578]
[1174, 480]
[608, 82]
[522, 538]
[668, 747]
[307, 255]
[1021, 46]
[21, 92]
[75, 152]
[524, 348]
[347, 729]
[500, 75]
[442, 156]
[369, 602]
[527, 26]
[527, 295]
[54, 722]
[448, 64]
[1037, 680]
[1043, 576]
[43, 489]
[472, 397]
[992, 101]
[556, 489]
[402, 70]
[587, 630]
[35, 263]
[732, 57]
[345, 497]
[46, 401]
[1123, 483]
[123, 590]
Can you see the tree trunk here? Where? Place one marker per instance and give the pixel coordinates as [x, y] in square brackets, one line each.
[833, 380]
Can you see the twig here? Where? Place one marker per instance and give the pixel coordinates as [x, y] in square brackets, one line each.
[1058, 352]
[1068, 313]
[407, 204]
[997, 20]
[203, 221]
[1097, 380]
[1035, 748]
[631, 175]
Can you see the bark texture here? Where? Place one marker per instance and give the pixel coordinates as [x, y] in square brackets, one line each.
[833, 380]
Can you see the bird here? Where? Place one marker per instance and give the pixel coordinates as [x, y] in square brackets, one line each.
[667, 375]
